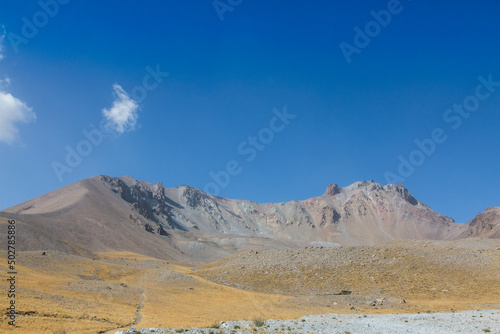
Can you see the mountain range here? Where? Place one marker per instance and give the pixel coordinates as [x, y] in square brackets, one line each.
[103, 213]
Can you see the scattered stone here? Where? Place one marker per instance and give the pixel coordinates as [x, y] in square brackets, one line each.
[446, 322]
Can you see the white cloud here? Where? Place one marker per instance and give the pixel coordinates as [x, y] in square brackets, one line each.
[122, 116]
[1, 43]
[12, 111]
[5, 83]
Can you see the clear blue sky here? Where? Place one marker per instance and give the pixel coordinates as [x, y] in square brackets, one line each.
[353, 120]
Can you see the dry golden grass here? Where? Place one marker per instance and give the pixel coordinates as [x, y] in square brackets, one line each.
[60, 291]
[198, 302]
[81, 295]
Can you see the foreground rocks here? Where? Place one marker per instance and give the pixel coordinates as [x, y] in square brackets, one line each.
[483, 321]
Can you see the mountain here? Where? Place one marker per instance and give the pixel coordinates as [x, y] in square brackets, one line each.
[122, 214]
[365, 212]
[84, 218]
[486, 224]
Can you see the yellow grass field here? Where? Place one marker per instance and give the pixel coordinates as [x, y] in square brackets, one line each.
[57, 291]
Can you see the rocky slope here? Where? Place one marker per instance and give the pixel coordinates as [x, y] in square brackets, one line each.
[395, 270]
[106, 213]
[486, 224]
[365, 212]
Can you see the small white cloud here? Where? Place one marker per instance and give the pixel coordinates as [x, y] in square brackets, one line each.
[5, 83]
[1, 43]
[12, 111]
[122, 116]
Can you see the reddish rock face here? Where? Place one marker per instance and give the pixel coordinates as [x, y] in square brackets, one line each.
[332, 190]
[485, 225]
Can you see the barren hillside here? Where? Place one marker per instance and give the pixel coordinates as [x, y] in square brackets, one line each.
[445, 272]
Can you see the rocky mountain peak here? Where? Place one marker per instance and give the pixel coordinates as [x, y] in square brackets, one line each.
[194, 197]
[359, 204]
[367, 187]
[332, 190]
[400, 190]
[406, 195]
[485, 224]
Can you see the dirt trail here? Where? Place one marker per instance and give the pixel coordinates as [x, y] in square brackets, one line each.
[138, 316]
[189, 272]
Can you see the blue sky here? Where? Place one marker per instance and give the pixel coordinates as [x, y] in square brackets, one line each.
[228, 79]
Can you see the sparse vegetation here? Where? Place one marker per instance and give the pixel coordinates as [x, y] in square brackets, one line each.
[258, 322]
[119, 306]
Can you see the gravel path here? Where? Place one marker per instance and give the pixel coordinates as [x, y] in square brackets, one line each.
[138, 316]
[484, 321]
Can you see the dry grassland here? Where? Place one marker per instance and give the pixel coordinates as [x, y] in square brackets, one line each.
[58, 291]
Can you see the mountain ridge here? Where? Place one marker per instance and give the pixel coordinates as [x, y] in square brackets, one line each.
[122, 213]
